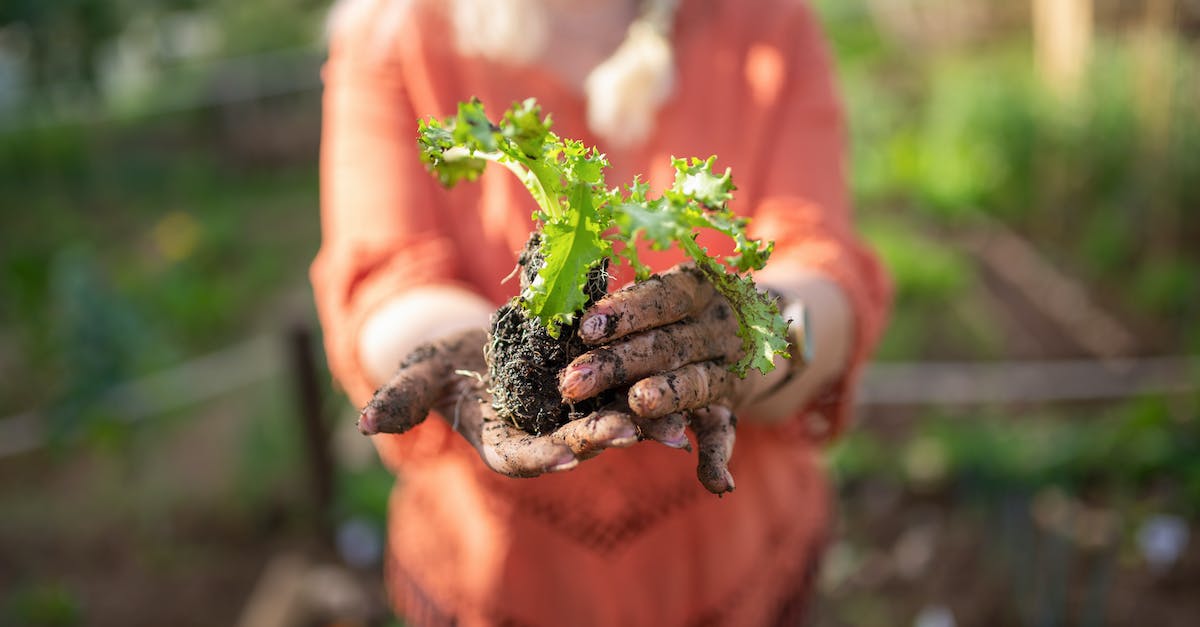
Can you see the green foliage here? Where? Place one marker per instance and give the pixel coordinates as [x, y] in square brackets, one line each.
[957, 141]
[1142, 447]
[41, 605]
[937, 273]
[113, 268]
[952, 137]
[576, 213]
[363, 493]
[80, 58]
[101, 333]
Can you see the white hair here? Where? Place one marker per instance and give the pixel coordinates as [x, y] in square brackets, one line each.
[623, 92]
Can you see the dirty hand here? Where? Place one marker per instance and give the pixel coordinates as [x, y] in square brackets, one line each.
[670, 338]
[445, 376]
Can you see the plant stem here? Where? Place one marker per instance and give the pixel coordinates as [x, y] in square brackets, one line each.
[531, 175]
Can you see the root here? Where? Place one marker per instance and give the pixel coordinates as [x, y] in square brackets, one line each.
[524, 360]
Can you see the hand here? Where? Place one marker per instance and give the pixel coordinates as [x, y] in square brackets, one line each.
[431, 378]
[671, 337]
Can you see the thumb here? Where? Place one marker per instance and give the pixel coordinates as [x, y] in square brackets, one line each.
[404, 401]
[420, 382]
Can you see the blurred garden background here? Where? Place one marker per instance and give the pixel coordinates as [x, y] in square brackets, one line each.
[1028, 446]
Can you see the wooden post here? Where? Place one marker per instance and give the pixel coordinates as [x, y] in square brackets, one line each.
[1062, 37]
[1155, 71]
[1154, 95]
[315, 430]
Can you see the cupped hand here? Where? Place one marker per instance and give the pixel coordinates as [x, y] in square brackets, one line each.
[670, 339]
[448, 376]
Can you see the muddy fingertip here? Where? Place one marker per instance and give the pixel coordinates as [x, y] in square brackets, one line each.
[717, 481]
[368, 424]
[564, 465]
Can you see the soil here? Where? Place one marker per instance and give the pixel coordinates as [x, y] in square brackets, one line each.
[524, 360]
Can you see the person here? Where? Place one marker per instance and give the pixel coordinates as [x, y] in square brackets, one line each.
[628, 536]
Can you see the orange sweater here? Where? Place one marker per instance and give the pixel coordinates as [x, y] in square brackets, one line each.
[630, 537]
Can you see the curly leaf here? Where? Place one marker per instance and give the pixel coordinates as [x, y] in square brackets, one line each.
[695, 180]
[571, 248]
[526, 129]
[437, 153]
[472, 128]
[760, 326]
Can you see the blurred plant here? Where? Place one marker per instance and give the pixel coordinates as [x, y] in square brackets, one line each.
[1147, 449]
[363, 494]
[40, 605]
[1095, 184]
[182, 246]
[100, 340]
[86, 53]
[64, 38]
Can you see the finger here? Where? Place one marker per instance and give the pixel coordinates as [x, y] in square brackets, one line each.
[661, 299]
[589, 436]
[669, 430]
[497, 442]
[712, 336]
[515, 453]
[714, 427]
[690, 387]
[420, 381]
[404, 401]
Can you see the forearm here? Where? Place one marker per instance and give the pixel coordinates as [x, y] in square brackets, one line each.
[830, 335]
[418, 316]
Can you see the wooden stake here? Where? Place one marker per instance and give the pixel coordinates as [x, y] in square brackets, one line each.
[1062, 36]
[1154, 95]
[315, 429]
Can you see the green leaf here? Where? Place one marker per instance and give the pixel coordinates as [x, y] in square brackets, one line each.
[696, 180]
[524, 126]
[582, 164]
[434, 141]
[762, 329]
[699, 200]
[472, 128]
[652, 219]
[571, 249]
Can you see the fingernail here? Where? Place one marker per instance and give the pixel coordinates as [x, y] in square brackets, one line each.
[567, 465]
[576, 383]
[622, 442]
[680, 442]
[643, 402]
[593, 327]
[728, 480]
[367, 423]
[627, 436]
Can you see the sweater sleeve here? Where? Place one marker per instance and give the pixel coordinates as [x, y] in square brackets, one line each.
[382, 231]
[801, 200]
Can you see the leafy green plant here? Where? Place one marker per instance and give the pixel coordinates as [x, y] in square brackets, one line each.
[580, 219]
[41, 604]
